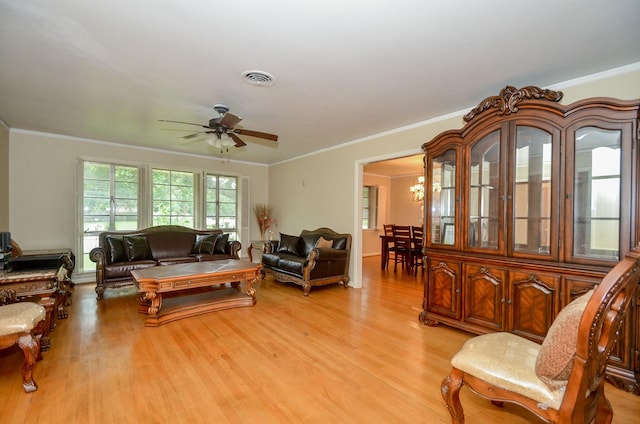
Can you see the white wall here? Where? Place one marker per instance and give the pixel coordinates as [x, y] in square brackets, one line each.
[324, 189]
[4, 177]
[42, 189]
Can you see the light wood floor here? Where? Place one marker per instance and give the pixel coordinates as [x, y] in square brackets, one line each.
[337, 356]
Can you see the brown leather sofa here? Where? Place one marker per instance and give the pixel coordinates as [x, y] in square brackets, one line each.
[120, 252]
[314, 258]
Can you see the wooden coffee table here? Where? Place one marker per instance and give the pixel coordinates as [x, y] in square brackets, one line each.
[194, 288]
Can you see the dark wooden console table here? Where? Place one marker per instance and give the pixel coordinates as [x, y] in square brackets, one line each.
[62, 260]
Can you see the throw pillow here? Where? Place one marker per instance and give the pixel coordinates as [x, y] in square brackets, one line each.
[221, 243]
[137, 248]
[288, 244]
[116, 249]
[204, 244]
[555, 358]
[322, 243]
[16, 250]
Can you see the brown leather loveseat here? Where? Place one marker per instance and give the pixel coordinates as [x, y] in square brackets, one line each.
[314, 258]
[120, 252]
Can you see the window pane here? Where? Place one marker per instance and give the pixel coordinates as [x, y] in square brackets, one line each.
[110, 202]
[173, 197]
[369, 207]
[221, 202]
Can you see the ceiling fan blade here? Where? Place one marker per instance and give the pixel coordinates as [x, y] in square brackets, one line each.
[229, 120]
[190, 136]
[258, 134]
[181, 122]
[239, 143]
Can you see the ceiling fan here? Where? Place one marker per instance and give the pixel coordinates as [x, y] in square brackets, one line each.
[221, 132]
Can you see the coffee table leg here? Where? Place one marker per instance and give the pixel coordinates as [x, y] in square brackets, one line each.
[156, 303]
[249, 288]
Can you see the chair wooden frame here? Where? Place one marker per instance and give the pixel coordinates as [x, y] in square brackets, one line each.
[388, 232]
[417, 240]
[584, 399]
[402, 244]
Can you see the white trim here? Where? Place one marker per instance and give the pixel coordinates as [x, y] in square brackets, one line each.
[131, 146]
[596, 77]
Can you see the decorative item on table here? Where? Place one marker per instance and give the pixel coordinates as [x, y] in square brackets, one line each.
[264, 216]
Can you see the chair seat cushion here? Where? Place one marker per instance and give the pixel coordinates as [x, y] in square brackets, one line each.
[20, 317]
[507, 361]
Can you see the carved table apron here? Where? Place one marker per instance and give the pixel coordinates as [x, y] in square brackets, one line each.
[194, 288]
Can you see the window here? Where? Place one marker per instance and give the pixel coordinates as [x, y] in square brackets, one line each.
[117, 197]
[173, 197]
[369, 207]
[110, 201]
[222, 204]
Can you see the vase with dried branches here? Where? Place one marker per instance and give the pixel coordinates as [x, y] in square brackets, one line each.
[264, 216]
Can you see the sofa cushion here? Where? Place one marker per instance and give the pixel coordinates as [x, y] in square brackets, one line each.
[288, 244]
[307, 243]
[205, 243]
[174, 261]
[323, 243]
[221, 243]
[123, 269]
[137, 248]
[340, 243]
[270, 259]
[555, 359]
[292, 263]
[116, 249]
[170, 244]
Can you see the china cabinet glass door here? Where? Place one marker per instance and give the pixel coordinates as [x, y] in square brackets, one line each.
[596, 188]
[443, 198]
[484, 193]
[532, 191]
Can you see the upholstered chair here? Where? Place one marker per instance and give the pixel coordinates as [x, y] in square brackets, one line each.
[562, 380]
[17, 324]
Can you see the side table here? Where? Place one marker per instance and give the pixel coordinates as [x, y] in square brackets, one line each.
[60, 259]
[39, 286]
[261, 245]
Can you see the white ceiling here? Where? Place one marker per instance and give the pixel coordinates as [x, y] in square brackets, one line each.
[109, 70]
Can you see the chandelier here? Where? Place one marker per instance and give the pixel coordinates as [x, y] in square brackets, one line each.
[417, 190]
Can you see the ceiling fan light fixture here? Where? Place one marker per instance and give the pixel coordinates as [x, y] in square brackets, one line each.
[259, 78]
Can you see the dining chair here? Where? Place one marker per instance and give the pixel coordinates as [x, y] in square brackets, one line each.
[388, 234]
[417, 243]
[562, 380]
[403, 246]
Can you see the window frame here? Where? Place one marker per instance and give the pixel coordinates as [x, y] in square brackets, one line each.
[369, 207]
[145, 203]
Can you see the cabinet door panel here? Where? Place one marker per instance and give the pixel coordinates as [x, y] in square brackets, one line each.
[485, 219]
[443, 288]
[531, 196]
[484, 296]
[442, 196]
[533, 303]
[596, 193]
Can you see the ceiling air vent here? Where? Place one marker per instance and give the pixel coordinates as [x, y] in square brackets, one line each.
[258, 78]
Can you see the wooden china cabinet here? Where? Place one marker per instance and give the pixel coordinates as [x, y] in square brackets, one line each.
[527, 206]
